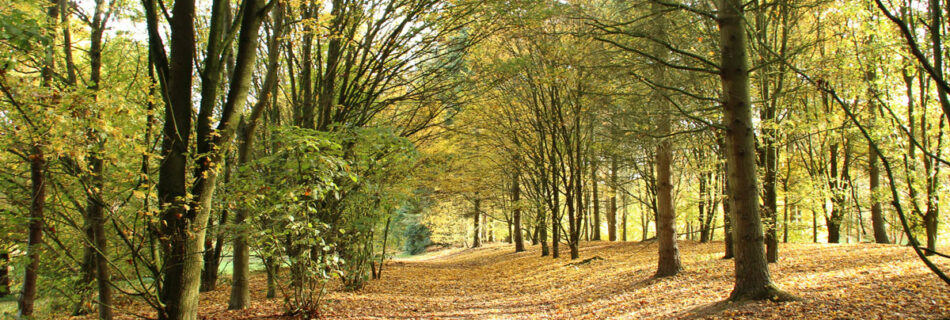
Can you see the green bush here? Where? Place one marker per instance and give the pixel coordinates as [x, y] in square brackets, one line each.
[417, 238]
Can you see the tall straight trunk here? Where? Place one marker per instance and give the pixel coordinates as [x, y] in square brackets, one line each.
[769, 149]
[753, 281]
[668, 263]
[96, 263]
[833, 221]
[932, 216]
[702, 208]
[516, 198]
[555, 214]
[570, 204]
[542, 233]
[38, 190]
[34, 231]
[176, 78]
[644, 223]
[595, 198]
[476, 241]
[874, 174]
[623, 219]
[96, 216]
[770, 161]
[728, 235]
[612, 209]
[240, 284]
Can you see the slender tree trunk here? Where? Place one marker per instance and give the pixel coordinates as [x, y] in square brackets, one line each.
[35, 231]
[38, 190]
[669, 260]
[595, 198]
[555, 215]
[874, 173]
[612, 209]
[516, 199]
[728, 234]
[543, 234]
[624, 218]
[476, 240]
[273, 268]
[240, 283]
[382, 257]
[703, 234]
[753, 281]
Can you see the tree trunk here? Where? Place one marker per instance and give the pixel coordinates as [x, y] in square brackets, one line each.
[874, 172]
[612, 209]
[240, 284]
[516, 199]
[702, 208]
[624, 218]
[668, 263]
[595, 198]
[273, 268]
[476, 241]
[753, 281]
[35, 231]
[728, 236]
[555, 216]
[877, 212]
[179, 304]
[543, 233]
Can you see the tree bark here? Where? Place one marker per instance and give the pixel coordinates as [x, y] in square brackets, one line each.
[668, 263]
[516, 199]
[612, 209]
[595, 198]
[874, 175]
[34, 231]
[476, 241]
[240, 284]
[753, 281]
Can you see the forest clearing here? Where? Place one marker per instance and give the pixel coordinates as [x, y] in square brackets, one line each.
[856, 281]
[300, 159]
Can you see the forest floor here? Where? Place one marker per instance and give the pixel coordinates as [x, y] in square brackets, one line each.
[845, 281]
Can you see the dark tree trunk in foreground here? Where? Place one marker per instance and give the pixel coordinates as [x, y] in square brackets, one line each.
[35, 232]
[753, 281]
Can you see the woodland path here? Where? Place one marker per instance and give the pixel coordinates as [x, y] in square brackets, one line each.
[856, 281]
[845, 281]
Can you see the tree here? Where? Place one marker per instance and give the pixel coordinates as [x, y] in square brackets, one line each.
[753, 281]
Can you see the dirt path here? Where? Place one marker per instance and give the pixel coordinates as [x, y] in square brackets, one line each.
[842, 281]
